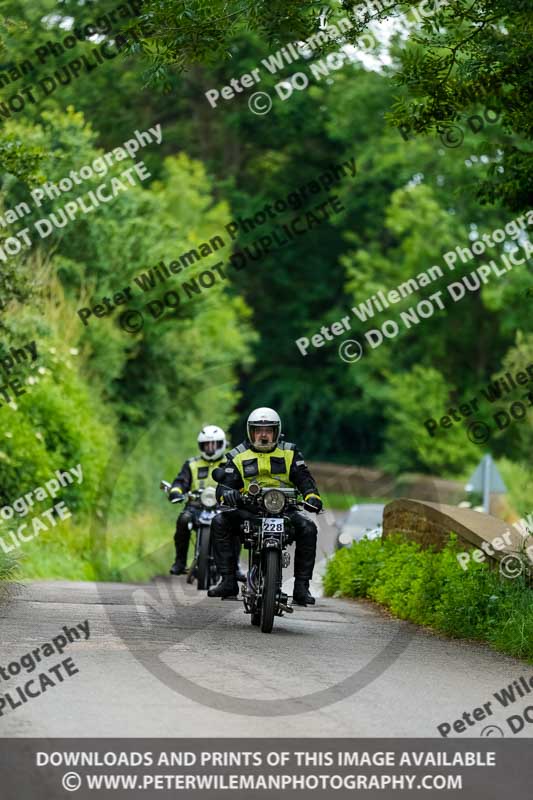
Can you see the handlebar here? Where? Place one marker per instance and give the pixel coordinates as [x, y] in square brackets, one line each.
[165, 486]
[195, 495]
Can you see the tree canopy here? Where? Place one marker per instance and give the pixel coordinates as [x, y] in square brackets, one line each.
[222, 352]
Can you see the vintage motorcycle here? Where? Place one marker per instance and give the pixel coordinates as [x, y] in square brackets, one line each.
[267, 531]
[203, 568]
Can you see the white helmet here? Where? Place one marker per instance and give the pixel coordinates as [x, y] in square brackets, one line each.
[212, 442]
[263, 418]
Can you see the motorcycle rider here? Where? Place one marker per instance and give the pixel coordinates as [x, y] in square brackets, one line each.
[196, 473]
[264, 457]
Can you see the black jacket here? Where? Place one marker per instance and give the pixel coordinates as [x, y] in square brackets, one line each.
[228, 476]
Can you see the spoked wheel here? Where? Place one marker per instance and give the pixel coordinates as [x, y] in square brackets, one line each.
[270, 590]
[203, 559]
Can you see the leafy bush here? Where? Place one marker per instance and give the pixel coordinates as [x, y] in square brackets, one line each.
[430, 588]
[7, 566]
[57, 424]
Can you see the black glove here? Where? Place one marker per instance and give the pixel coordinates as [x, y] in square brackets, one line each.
[231, 497]
[313, 503]
[176, 496]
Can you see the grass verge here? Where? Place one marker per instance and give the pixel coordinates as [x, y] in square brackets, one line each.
[136, 548]
[8, 567]
[430, 588]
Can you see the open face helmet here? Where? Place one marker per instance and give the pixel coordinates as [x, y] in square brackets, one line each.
[263, 429]
[212, 442]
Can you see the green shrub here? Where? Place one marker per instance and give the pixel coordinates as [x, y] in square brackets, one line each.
[7, 566]
[430, 588]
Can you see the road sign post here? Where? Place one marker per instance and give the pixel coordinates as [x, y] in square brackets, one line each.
[487, 480]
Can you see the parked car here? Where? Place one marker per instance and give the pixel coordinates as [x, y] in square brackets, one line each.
[363, 520]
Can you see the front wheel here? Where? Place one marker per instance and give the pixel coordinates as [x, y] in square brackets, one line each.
[203, 558]
[270, 590]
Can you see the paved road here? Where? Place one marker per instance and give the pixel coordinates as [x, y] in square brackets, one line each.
[164, 660]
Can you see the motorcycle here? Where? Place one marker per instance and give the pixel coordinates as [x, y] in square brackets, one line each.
[267, 532]
[203, 568]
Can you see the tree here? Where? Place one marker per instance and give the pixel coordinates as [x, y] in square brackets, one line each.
[471, 55]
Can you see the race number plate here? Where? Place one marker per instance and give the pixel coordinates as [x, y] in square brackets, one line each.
[273, 525]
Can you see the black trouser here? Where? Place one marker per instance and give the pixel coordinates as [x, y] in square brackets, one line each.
[226, 529]
[182, 536]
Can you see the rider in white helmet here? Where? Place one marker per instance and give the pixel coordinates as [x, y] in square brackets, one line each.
[196, 473]
[265, 458]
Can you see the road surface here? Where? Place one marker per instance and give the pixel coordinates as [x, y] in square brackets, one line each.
[164, 660]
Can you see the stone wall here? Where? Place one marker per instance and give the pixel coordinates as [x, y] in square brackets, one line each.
[431, 523]
[364, 482]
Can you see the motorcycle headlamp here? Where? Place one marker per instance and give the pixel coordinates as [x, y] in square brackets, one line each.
[274, 501]
[209, 497]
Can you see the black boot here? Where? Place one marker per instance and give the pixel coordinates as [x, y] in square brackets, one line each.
[301, 596]
[181, 543]
[227, 587]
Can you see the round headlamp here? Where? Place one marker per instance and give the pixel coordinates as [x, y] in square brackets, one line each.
[209, 497]
[345, 539]
[274, 501]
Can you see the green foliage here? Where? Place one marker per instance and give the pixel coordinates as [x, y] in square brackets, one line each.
[458, 57]
[8, 566]
[518, 438]
[518, 477]
[20, 160]
[430, 588]
[96, 394]
[198, 31]
[413, 398]
[134, 549]
[466, 57]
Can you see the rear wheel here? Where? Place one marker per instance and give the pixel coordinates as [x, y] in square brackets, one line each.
[203, 558]
[270, 590]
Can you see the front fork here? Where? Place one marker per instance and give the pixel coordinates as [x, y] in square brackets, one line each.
[252, 591]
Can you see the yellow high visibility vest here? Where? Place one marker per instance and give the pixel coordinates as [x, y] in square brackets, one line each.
[201, 471]
[264, 468]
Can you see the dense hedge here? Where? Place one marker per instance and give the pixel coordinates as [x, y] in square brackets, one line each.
[430, 588]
